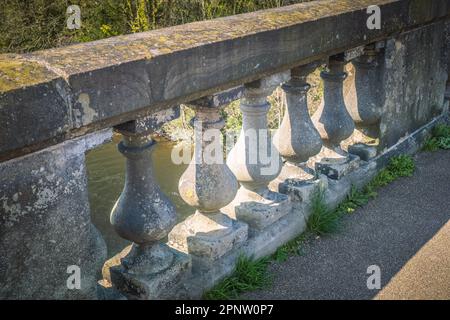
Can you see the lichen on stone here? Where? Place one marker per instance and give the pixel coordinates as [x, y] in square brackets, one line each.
[16, 72]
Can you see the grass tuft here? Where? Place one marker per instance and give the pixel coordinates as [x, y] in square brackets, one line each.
[401, 166]
[291, 248]
[440, 139]
[430, 145]
[249, 275]
[322, 220]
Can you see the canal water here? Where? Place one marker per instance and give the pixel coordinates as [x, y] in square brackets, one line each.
[106, 176]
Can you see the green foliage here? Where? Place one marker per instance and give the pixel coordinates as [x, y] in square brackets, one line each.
[444, 143]
[322, 220]
[325, 221]
[39, 24]
[384, 177]
[355, 199]
[249, 275]
[440, 139]
[430, 145]
[290, 248]
[32, 25]
[441, 131]
[442, 134]
[232, 117]
[401, 166]
[252, 275]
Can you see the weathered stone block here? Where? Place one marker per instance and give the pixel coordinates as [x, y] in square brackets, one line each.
[362, 150]
[336, 170]
[207, 237]
[45, 224]
[413, 82]
[258, 211]
[155, 275]
[300, 192]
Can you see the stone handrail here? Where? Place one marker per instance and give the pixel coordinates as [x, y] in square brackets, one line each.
[387, 84]
[89, 86]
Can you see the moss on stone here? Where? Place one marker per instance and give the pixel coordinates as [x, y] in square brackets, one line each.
[16, 73]
[147, 45]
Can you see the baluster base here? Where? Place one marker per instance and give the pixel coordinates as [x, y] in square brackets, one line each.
[153, 272]
[208, 236]
[294, 172]
[336, 171]
[364, 151]
[301, 192]
[334, 162]
[258, 210]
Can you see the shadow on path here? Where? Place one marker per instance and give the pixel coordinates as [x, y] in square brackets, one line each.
[389, 231]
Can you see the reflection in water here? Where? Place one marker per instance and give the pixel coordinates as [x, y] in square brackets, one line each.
[106, 172]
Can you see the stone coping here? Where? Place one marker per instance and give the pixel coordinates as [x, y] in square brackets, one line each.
[53, 95]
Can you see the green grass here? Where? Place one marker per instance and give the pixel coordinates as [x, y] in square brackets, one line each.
[401, 166]
[290, 248]
[325, 221]
[251, 275]
[440, 139]
[322, 219]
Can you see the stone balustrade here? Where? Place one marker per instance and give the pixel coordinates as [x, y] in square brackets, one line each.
[247, 202]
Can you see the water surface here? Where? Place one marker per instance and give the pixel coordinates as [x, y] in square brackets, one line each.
[106, 172]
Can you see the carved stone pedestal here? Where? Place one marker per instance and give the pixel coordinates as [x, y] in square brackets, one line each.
[258, 209]
[148, 269]
[297, 139]
[364, 100]
[149, 273]
[302, 191]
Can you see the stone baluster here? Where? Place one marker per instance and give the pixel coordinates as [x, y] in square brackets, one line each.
[148, 269]
[364, 99]
[207, 185]
[334, 123]
[297, 140]
[255, 161]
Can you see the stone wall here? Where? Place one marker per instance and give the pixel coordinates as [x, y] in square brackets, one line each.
[413, 82]
[45, 224]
